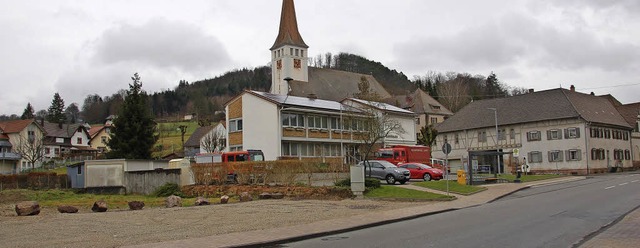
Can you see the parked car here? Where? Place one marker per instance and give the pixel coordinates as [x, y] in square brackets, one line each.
[422, 171]
[385, 170]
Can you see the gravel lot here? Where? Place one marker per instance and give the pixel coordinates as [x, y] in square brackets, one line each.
[125, 227]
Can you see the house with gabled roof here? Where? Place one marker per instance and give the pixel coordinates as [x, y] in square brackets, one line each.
[68, 141]
[206, 139]
[99, 137]
[25, 141]
[428, 109]
[552, 131]
[631, 114]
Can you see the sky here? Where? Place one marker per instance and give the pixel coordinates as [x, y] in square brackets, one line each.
[77, 48]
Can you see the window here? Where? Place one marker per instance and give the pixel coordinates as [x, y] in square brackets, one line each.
[572, 133]
[456, 138]
[31, 135]
[434, 120]
[103, 139]
[533, 136]
[79, 172]
[317, 122]
[357, 125]
[290, 51]
[555, 156]
[56, 151]
[418, 121]
[301, 53]
[336, 124]
[501, 134]
[607, 134]
[292, 120]
[235, 125]
[574, 155]
[627, 155]
[482, 136]
[617, 154]
[554, 134]
[79, 141]
[59, 140]
[625, 135]
[535, 157]
[512, 134]
[297, 51]
[235, 148]
[47, 150]
[597, 154]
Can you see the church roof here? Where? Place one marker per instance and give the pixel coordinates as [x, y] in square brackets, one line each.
[288, 33]
[421, 102]
[334, 85]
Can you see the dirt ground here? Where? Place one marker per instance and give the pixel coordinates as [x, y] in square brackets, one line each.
[126, 227]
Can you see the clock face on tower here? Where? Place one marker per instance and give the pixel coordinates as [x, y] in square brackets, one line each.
[296, 63]
[279, 64]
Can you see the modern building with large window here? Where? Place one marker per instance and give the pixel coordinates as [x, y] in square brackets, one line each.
[553, 131]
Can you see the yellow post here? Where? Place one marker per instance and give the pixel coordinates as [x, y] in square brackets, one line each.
[462, 177]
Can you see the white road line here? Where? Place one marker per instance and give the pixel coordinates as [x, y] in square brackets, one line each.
[623, 184]
[635, 181]
[610, 187]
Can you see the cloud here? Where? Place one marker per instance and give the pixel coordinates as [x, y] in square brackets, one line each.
[161, 43]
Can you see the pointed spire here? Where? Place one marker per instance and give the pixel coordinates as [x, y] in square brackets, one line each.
[288, 34]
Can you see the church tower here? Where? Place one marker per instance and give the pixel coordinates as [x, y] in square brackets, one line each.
[289, 55]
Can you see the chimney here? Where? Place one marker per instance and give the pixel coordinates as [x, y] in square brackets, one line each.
[531, 90]
[312, 96]
[572, 88]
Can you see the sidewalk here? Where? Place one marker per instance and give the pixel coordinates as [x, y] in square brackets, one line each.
[321, 228]
[621, 234]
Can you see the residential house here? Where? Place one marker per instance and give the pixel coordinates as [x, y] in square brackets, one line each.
[26, 139]
[203, 140]
[553, 131]
[99, 137]
[8, 158]
[68, 141]
[631, 114]
[291, 127]
[428, 109]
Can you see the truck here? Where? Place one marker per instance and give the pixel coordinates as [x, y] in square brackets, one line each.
[398, 154]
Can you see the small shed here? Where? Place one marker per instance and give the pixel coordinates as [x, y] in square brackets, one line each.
[75, 173]
[128, 176]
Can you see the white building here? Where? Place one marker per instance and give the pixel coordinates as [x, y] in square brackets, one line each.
[554, 131]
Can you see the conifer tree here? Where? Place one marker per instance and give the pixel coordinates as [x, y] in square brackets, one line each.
[133, 134]
[55, 113]
[28, 112]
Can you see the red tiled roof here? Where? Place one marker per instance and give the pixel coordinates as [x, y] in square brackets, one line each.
[14, 126]
[95, 130]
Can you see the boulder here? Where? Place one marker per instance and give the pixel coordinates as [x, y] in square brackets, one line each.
[135, 205]
[201, 201]
[245, 197]
[100, 206]
[26, 208]
[277, 196]
[67, 209]
[224, 199]
[173, 201]
[264, 196]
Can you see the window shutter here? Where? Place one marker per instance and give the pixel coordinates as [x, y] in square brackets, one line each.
[561, 156]
[528, 136]
[530, 157]
[549, 156]
[579, 154]
[577, 132]
[566, 133]
[548, 134]
[567, 154]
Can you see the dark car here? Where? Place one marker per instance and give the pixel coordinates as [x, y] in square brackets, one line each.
[422, 171]
[385, 170]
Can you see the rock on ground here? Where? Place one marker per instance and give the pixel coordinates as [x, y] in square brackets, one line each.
[245, 197]
[173, 201]
[201, 201]
[26, 208]
[67, 209]
[99, 206]
[224, 199]
[135, 205]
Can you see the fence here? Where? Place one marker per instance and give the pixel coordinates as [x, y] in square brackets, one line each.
[35, 180]
[145, 182]
[281, 172]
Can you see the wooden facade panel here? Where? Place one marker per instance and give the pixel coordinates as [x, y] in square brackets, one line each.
[235, 109]
[318, 134]
[293, 133]
[235, 138]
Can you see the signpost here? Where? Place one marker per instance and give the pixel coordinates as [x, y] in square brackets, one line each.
[446, 148]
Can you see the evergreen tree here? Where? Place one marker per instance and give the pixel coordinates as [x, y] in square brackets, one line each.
[55, 114]
[491, 88]
[133, 134]
[28, 112]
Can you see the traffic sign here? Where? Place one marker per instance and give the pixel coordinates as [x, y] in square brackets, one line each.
[446, 148]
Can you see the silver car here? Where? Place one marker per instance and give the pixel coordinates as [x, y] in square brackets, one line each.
[384, 170]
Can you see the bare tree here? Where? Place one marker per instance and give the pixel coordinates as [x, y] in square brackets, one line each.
[30, 148]
[214, 141]
[454, 94]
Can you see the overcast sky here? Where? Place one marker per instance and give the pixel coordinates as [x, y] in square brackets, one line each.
[78, 48]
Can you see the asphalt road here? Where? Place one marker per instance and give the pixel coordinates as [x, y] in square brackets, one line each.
[560, 215]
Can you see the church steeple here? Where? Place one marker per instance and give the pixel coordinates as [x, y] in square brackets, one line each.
[288, 33]
[288, 53]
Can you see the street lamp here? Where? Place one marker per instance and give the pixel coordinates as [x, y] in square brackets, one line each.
[495, 114]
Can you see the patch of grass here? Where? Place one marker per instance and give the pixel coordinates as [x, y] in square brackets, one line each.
[391, 192]
[54, 198]
[529, 178]
[454, 187]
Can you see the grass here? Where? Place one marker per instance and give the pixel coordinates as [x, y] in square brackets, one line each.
[454, 187]
[529, 178]
[170, 137]
[391, 192]
[54, 198]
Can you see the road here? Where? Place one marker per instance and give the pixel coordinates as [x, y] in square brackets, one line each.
[560, 215]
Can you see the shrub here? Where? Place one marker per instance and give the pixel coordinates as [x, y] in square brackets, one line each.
[343, 183]
[369, 183]
[168, 189]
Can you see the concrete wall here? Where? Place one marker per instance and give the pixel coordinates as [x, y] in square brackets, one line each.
[261, 122]
[145, 182]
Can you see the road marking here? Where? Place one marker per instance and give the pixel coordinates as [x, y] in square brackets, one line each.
[635, 181]
[622, 184]
[610, 187]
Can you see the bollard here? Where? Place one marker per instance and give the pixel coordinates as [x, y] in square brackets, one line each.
[518, 175]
